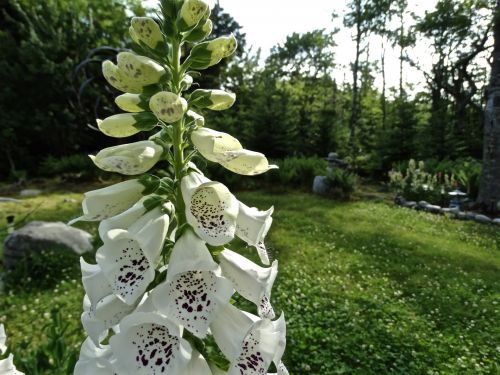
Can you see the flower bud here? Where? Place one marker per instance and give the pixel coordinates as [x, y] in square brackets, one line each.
[196, 118]
[129, 159]
[187, 82]
[207, 54]
[191, 13]
[132, 103]
[200, 32]
[140, 69]
[147, 31]
[127, 124]
[216, 100]
[118, 79]
[168, 106]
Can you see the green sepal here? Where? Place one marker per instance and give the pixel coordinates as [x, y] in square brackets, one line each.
[150, 182]
[201, 98]
[145, 121]
[166, 186]
[153, 202]
[198, 34]
[200, 57]
[150, 90]
[181, 230]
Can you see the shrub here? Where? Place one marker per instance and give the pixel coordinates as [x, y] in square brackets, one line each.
[417, 184]
[342, 182]
[77, 166]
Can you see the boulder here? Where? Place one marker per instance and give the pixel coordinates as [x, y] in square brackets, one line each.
[39, 236]
[496, 221]
[30, 192]
[410, 204]
[433, 208]
[460, 215]
[9, 200]
[320, 185]
[482, 219]
[423, 204]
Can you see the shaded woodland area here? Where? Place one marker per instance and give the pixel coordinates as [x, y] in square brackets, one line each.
[288, 105]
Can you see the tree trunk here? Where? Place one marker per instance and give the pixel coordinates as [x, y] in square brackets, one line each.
[384, 84]
[489, 192]
[355, 92]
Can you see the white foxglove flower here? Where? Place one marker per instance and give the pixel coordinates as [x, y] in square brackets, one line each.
[128, 257]
[168, 106]
[193, 292]
[252, 227]
[3, 339]
[118, 79]
[216, 100]
[149, 343]
[110, 201]
[129, 159]
[140, 69]
[197, 365]
[211, 209]
[250, 343]
[94, 360]
[132, 103]
[7, 366]
[226, 150]
[147, 31]
[127, 124]
[192, 12]
[250, 280]
[207, 54]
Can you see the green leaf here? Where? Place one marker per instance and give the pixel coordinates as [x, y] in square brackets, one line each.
[153, 202]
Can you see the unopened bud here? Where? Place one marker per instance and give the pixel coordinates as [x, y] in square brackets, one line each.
[192, 12]
[132, 103]
[216, 100]
[168, 106]
[147, 31]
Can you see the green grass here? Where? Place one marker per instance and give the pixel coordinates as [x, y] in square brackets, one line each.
[367, 288]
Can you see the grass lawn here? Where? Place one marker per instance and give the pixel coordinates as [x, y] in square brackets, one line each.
[367, 288]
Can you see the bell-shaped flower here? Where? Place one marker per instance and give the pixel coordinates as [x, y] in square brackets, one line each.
[252, 227]
[250, 280]
[128, 257]
[133, 72]
[7, 366]
[149, 343]
[216, 100]
[193, 292]
[168, 106]
[127, 124]
[3, 339]
[101, 308]
[211, 209]
[94, 360]
[110, 201]
[207, 54]
[197, 119]
[129, 159]
[147, 31]
[191, 13]
[249, 343]
[226, 150]
[132, 103]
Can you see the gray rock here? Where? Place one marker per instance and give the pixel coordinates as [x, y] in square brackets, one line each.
[470, 216]
[422, 204]
[433, 208]
[496, 221]
[30, 192]
[320, 185]
[410, 204]
[399, 200]
[482, 219]
[460, 215]
[39, 236]
[9, 200]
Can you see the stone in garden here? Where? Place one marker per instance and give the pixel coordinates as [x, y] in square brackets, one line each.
[423, 204]
[9, 200]
[410, 204]
[433, 208]
[30, 192]
[496, 221]
[320, 185]
[482, 219]
[460, 215]
[399, 200]
[39, 236]
[470, 215]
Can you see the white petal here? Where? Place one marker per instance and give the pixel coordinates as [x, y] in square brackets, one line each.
[123, 220]
[252, 227]
[212, 211]
[7, 366]
[193, 299]
[250, 280]
[126, 266]
[245, 162]
[139, 70]
[3, 339]
[110, 201]
[229, 329]
[129, 159]
[96, 285]
[197, 365]
[93, 360]
[189, 254]
[210, 143]
[149, 344]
